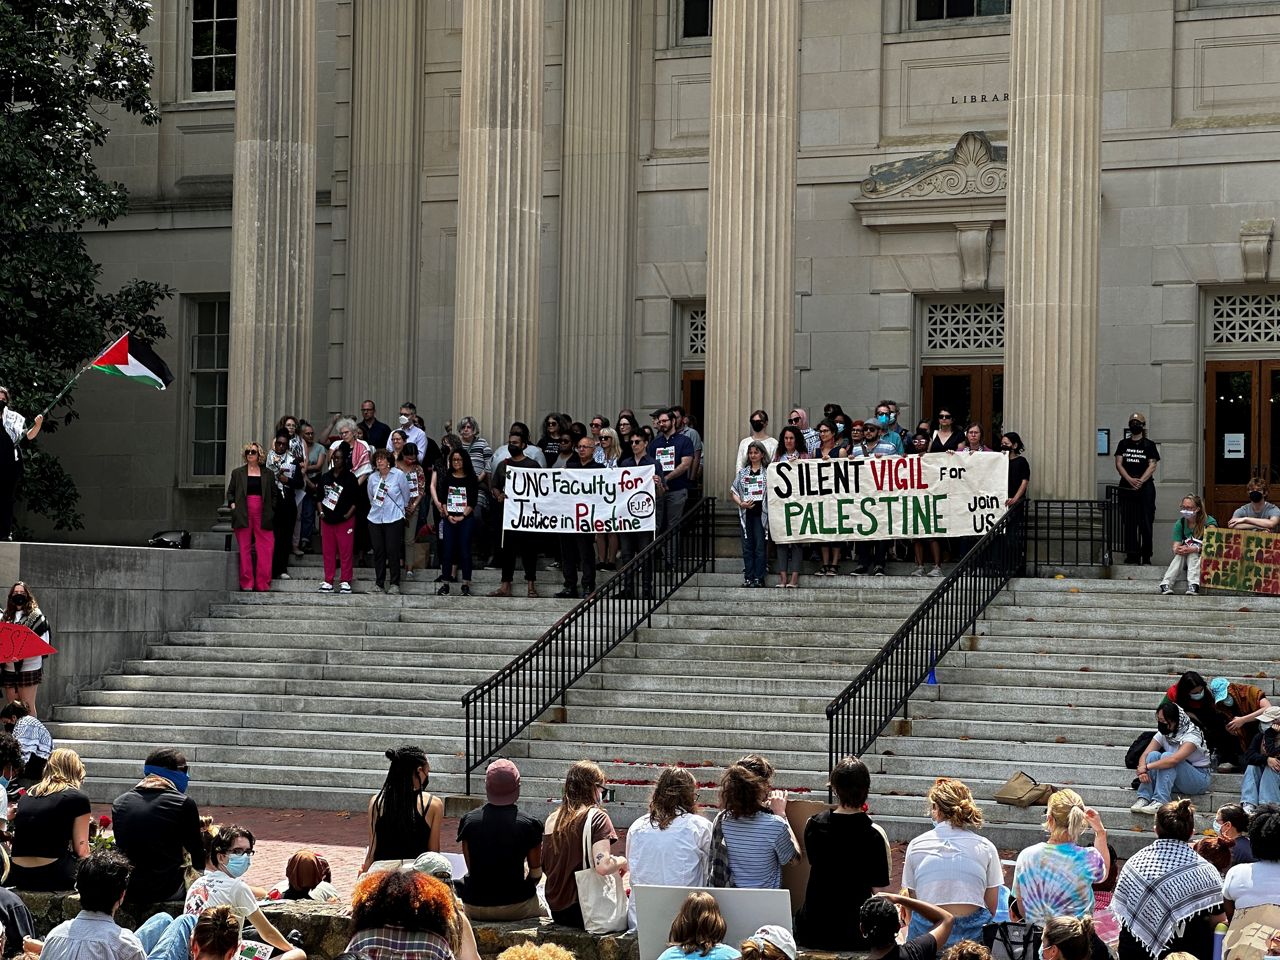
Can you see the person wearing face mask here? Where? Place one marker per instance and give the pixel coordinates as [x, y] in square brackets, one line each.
[886, 421]
[759, 434]
[1176, 759]
[1231, 823]
[404, 819]
[13, 430]
[1261, 783]
[408, 422]
[229, 856]
[1019, 470]
[516, 543]
[156, 825]
[1136, 460]
[20, 679]
[1259, 513]
[1227, 712]
[1188, 539]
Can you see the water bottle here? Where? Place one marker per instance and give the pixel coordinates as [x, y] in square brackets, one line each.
[1219, 937]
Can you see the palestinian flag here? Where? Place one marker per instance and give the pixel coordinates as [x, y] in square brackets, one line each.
[130, 357]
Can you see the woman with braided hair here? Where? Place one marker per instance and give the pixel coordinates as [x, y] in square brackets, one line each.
[672, 845]
[404, 820]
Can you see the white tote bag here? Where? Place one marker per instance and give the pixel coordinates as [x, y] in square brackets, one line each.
[603, 899]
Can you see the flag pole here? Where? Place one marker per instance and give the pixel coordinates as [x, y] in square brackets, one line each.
[79, 373]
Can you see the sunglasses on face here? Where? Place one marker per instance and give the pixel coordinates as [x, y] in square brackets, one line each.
[793, 420]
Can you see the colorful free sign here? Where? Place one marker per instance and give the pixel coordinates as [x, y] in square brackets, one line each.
[1247, 560]
[880, 498]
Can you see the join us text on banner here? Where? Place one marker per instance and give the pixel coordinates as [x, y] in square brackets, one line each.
[608, 500]
[880, 498]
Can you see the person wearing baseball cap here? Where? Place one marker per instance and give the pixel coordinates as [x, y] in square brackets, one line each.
[503, 850]
[1136, 459]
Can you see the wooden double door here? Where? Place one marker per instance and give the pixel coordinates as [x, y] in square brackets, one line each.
[970, 392]
[1242, 431]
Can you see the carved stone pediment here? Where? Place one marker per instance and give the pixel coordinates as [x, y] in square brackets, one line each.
[972, 168]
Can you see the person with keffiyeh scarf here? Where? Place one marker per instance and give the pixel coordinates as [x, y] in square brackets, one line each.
[1168, 898]
[1176, 759]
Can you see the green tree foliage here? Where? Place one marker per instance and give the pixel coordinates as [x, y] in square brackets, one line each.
[63, 65]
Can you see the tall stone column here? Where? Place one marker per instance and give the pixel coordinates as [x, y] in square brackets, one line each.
[382, 250]
[751, 229]
[273, 219]
[595, 207]
[1052, 269]
[495, 345]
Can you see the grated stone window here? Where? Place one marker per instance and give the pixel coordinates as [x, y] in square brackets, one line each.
[695, 333]
[1236, 318]
[956, 328]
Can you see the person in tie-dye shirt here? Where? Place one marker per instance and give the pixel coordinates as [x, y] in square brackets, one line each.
[1056, 878]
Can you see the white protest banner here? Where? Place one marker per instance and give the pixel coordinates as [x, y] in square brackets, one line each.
[609, 500]
[880, 498]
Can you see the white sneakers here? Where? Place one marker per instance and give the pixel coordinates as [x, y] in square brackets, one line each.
[344, 587]
[936, 571]
[1146, 806]
[326, 587]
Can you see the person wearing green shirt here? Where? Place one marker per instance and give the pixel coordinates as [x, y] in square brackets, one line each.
[1188, 540]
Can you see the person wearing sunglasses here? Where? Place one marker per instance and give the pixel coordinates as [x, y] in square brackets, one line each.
[945, 436]
[253, 496]
[799, 418]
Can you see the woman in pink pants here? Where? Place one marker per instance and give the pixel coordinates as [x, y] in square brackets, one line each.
[251, 495]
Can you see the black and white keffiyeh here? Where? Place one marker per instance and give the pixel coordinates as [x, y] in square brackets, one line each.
[1160, 888]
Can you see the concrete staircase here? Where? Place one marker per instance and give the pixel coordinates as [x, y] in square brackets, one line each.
[288, 699]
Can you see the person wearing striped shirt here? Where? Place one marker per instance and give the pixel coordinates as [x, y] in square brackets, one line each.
[759, 839]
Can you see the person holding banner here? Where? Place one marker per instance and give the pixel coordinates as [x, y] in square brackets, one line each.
[747, 492]
[872, 556]
[579, 549]
[629, 544]
[515, 543]
[455, 496]
[792, 445]
[829, 448]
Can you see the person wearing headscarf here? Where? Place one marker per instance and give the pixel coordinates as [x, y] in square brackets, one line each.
[1168, 898]
[799, 418]
[308, 878]
[1176, 759]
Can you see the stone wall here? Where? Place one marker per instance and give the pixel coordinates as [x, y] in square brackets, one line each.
[106, 604]
[326, 929]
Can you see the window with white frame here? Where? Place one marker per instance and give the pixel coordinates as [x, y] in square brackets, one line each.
[212, 40]
[693, 20]
[207, 386]
[932, 11]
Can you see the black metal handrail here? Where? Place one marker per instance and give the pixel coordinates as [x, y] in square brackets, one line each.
[866, 706]
[1074, 533]
[499, 708]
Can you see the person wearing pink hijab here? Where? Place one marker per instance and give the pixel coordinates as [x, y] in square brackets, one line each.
[799, 417]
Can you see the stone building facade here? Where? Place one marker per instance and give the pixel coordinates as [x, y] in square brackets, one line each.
[897, 270]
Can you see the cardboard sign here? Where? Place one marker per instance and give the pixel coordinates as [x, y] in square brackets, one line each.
[795, 875]
[744, 912]
[18, 643]
[1242, 559]
[608, 500]
[882, 498]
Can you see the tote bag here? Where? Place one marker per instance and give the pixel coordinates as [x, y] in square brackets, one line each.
[603, 899]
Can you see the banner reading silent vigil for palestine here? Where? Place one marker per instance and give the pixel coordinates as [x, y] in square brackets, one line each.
[618, 500]
[880, 498]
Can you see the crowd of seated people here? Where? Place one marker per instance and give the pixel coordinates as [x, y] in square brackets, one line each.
[1075, 900]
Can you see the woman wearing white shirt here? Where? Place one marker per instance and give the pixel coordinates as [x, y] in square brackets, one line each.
[951, 866]
[672, 845]
[1175, 759]
[1255, 884]
[388, 490]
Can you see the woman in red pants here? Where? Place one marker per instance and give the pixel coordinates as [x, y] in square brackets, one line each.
[252, 496]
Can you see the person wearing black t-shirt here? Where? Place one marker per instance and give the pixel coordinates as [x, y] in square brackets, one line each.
[1136, 459]
[51, 827]
[498, 841]
[849, 856]
[881, 922]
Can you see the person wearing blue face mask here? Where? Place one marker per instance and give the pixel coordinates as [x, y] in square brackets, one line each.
[230, 854]
[156, 825]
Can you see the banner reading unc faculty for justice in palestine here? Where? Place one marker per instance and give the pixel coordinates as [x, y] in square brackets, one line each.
[609, 500]
[879, 498]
